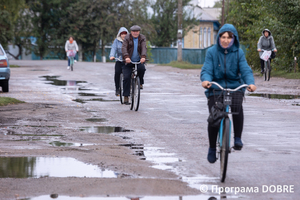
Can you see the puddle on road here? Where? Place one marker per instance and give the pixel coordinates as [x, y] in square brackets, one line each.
[65, 144]
[96, 120]
[103, 129]
[57, 82]
[58, 197]
[275, 96]
[89, 94]
[38, 70]
[97, 99]
[37, 167]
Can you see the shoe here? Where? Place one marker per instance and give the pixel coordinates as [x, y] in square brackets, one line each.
[75, 61]
[238, 144]
[262, 71]
[211, 156]
[117, 92]
[68, 67]
[126, 102]
[141, 87]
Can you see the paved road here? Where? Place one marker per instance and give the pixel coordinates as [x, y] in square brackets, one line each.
[172, 121]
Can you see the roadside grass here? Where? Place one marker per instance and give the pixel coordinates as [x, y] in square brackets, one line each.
[14, 66]
[4, 101]
[281, 74]
[182, 65]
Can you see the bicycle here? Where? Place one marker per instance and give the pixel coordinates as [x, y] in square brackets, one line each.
[71, 56]
[135, 87]
[267, 64]
[228, 98]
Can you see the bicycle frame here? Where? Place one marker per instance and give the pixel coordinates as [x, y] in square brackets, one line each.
[227, 102]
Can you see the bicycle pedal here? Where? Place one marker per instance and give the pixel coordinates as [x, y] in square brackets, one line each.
[237, 148]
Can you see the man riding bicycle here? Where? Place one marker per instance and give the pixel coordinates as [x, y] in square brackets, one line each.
[266, 42]
[133, 49]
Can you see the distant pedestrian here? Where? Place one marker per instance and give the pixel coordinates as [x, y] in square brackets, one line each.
[116, 52]
[71, 45]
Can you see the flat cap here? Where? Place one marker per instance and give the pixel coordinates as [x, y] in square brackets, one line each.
[135, 28]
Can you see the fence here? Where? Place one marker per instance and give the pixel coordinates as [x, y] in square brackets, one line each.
[160, 55]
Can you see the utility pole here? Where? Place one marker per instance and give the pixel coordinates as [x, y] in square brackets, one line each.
[179, 32]
[223, 8]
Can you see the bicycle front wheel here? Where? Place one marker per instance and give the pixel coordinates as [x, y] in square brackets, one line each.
[265, 70]
[224, 150]
[137, 87]
[121, 89]
[132, 91]
[269, 70]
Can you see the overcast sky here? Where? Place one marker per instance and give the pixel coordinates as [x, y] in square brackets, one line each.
[207, 3]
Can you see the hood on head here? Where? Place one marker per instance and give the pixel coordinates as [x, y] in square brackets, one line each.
[232, 29]
[122, 29]
[266, 30]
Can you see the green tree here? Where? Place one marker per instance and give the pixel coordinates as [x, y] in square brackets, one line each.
[165, 21]
[9, 12]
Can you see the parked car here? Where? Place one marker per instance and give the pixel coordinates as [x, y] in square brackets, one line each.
[4, 70]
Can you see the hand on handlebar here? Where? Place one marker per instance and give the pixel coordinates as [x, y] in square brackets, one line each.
[251, 88]
[112, 58]
[127, 60]
[206, 84]
[142, 60]
[258, 49]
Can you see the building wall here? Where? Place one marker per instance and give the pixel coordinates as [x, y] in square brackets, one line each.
[196, 39]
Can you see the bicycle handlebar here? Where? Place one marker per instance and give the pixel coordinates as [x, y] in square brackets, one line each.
[230, 90]
[135, 63]
[117, 59]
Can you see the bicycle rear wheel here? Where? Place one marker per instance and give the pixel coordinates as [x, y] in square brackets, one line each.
[71, 63]
[132, 91]
[269, 70]
[224, 151]
[136, 97]
[121, 89]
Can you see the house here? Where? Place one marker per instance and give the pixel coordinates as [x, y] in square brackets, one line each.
[204, 34]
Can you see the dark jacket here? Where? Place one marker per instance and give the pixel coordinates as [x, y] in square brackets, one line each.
[228, 67]
[128, 46]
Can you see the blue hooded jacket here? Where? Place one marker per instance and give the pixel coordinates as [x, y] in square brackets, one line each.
[116, 48]
[228, 67]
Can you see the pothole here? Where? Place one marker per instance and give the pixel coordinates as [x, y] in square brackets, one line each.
[275, 96]
[66, 144]
[96, 120]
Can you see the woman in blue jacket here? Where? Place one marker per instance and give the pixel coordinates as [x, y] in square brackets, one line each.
[116, 52]
[225, 63]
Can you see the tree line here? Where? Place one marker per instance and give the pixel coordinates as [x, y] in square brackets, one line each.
[281, 17]
[93, 23]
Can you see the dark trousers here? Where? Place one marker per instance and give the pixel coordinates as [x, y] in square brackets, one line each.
[238, 124]
[262, 64]
[127, 70]
[118, 71]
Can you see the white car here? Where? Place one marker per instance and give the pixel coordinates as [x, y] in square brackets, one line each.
[4, 70]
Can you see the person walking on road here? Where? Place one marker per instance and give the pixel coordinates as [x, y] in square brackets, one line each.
[116, 52]
[70, 45]
[225, 63]
[265, 42]
[134, 49]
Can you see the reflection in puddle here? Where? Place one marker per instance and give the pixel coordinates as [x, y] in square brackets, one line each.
[58, 197]
[96, 120]
[103, 129]
[55, 81]
[89, 94]
[64, 144]
[37, 167]
[97, 99]
[275, 96]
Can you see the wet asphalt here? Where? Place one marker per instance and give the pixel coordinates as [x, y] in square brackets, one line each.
[171, 124]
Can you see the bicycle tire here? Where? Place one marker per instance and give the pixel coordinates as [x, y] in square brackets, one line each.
[132, 93]
[269, 70]
[224, 151]
[121, 89]
[136, 96]
[265, 70]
